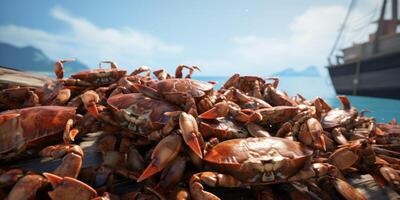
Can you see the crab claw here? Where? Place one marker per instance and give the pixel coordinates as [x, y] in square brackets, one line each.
[343, 158]
[59, 67]
[69, 188]
[69, 135]
[90, 99]
[165, 151]
[62, 97]
[72, 158]
[190, 133]
[311, 134]
[321, 107]
[5, 117]
[345, 102]
[26, 187]
[220, 109]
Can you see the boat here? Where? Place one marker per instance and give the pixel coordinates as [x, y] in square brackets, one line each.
[371, 68]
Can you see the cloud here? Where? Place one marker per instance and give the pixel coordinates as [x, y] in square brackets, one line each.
[311, 37]
[90, 43]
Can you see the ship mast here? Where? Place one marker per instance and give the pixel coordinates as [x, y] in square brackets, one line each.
[385, 27]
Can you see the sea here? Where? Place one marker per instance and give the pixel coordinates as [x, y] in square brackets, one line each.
[382, 109]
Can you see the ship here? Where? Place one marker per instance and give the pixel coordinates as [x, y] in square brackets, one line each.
[371, 68]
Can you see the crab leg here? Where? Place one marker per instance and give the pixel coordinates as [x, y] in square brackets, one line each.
[59, 67]
[161, 74]
[112, 64]
[165, 151]
[141, 70]
[179, 74]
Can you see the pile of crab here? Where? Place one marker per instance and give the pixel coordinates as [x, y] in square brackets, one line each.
[178, 138]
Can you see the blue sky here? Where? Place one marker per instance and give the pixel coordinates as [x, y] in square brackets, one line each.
[222, 37]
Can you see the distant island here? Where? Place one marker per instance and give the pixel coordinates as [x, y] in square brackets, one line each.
[32, 59]
[309, 71]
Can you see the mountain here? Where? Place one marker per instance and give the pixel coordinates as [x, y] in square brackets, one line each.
[32, 59]
[309, 71]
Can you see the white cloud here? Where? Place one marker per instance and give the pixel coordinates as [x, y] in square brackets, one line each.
[311, 37]
[90, 43]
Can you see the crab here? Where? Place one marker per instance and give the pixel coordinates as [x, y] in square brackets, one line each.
[255, 161]
[24, 128]
[250, 85]
[344, 124]
[276, 97]
[185, 92]
[133, 111]
[19, 97]
[309, 131]
[245, 101]
[95, 77]
[339, 117]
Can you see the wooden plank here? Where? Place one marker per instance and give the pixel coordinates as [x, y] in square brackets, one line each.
[12, 77]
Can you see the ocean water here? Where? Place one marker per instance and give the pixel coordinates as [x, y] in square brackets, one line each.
[382, 109]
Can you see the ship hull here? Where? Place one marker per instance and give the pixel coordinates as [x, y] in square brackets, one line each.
[378, 77]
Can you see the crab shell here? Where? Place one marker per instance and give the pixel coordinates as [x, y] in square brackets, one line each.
[259, 160]
[33, 127]
[194, 87]
[144, 108]
[337, 117]
[100, 76]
